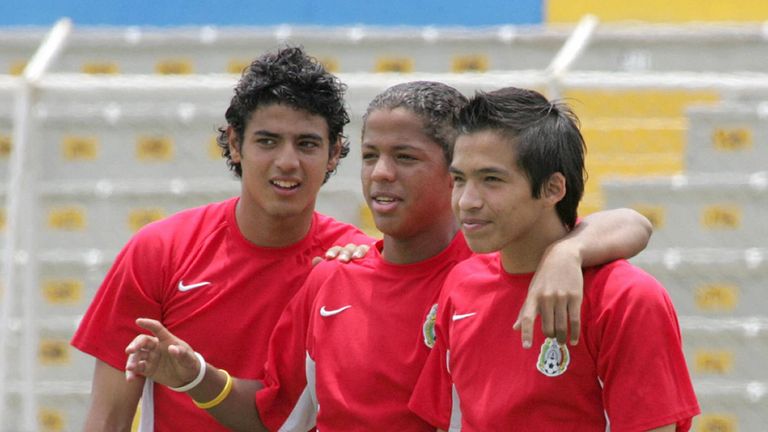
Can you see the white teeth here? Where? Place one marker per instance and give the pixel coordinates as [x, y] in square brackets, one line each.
[285, 184]
[384, 199]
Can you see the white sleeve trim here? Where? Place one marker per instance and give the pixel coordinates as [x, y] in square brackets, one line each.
[304, 414]
[455, 425]
[147, 420]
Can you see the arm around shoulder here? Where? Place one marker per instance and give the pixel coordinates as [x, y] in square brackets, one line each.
[608, 235]
[557, 288]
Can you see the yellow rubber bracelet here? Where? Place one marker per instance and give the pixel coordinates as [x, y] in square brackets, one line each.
[218, 399]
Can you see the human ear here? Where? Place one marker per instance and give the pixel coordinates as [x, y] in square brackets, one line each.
[234, 144]
[555, 188]
[335, 154]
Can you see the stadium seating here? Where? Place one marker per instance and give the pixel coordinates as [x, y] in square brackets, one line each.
[613, 47]
[704, 210]
[729, 137]
[731, 406]
[708, 249]
[712, 282]
[215, 50]
[124, 127]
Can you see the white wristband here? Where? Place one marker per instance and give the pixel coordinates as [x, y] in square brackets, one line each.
[196, 381]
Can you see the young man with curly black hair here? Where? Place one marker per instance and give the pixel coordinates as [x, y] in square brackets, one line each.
[221, 274]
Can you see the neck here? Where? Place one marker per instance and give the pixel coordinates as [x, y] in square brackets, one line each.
[272, 231]
[420, 247]
[524, 254]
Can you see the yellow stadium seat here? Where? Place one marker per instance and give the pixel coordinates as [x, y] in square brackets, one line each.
[590, 204]
[366, 222]
[17, 67]
[154, 148]
[612, 103]
[6, 146]
[331, 64]
[469, 63]
[174, 67]
[635, 165]
[394, 64]
[561, 11]
[100, 68]
[632, 140]
[237, 65]
[51, 419]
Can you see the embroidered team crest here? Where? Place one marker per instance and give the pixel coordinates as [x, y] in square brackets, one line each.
[553, 359]
[429, 327]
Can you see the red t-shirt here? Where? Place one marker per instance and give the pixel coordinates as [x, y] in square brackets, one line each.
[210, 286]
[628, 365]
[362, 331]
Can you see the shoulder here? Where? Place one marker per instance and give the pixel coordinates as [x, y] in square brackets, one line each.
[621, 273]
[335, 269]
[323, 270]
[475, 266]
[622, 283]
[187, 226]
[172, 236]
[474, 271]
[329, 232]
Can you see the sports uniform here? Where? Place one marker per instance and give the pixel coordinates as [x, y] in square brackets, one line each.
[628, 365]
[363, 331]
[209, 285]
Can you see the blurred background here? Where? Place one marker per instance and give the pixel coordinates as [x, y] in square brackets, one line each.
[108, 113]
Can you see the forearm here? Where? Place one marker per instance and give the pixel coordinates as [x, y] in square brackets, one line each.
[605, 236]
[113, 400]
[238, 410]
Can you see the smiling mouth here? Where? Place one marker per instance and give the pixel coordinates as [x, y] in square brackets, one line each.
[285, 184]
[473, 224]
[384, 200]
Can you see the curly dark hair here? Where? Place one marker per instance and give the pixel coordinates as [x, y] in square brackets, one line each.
[290, 77]
[436, 103]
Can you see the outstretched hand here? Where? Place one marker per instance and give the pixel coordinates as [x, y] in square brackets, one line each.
[556, 292]
[161, 356]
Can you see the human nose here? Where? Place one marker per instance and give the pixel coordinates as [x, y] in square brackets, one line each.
[467, 197]
[287, 158]
[383, 170]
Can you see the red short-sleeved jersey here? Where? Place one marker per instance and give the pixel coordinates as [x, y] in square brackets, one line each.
[362, 331]
[209, 285]
[628, 365]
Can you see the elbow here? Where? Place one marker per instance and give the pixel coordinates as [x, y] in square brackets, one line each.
[643, 228]
[646, 228]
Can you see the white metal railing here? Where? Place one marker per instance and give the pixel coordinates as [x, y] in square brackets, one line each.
[19, 235]
[573, 47]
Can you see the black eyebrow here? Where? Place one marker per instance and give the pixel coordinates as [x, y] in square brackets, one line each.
[311, 136]
[488, 170]
[491, 170]
[266, 133]
[399, 147]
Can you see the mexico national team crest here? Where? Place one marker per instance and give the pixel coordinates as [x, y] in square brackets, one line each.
[429, 327]
[553, 359]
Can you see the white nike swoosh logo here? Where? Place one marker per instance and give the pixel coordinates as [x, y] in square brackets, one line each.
[326, 313]
[457, 317]
[183, 287]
